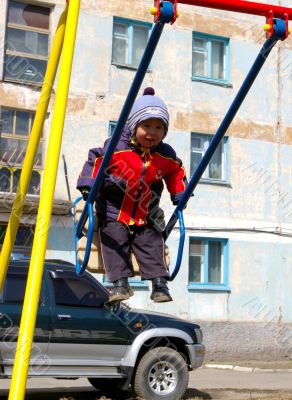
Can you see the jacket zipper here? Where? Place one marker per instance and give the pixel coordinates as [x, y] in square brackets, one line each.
[139, 191]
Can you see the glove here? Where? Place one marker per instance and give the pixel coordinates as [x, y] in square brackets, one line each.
[177, 200]
[175, 203]
[85, 192]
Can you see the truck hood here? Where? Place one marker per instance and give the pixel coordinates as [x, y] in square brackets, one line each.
[159, 319]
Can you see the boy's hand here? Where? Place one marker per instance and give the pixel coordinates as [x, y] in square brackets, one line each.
[175, 203]
[85, 192]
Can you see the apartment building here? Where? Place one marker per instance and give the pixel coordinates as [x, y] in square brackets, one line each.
[235, 276]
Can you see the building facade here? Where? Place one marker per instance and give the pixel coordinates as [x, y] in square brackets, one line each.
[235, 276]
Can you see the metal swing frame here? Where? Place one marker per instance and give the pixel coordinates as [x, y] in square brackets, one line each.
[64, 42]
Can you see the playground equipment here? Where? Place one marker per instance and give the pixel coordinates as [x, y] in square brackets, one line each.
[164, 12]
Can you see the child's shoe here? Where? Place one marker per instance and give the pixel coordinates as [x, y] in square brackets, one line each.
[120, 291]
[160, 292]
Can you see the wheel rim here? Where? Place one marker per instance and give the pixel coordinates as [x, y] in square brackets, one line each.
[162, 378]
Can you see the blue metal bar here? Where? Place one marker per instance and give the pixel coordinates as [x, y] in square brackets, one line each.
[249, 80]
[180, 245]
[80, 267]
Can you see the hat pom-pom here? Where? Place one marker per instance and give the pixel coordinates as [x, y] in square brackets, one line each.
[149, 91]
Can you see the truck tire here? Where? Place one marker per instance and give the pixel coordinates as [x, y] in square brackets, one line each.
[162, 373]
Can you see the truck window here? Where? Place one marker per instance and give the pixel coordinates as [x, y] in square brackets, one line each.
[76, 292]
[14, 289]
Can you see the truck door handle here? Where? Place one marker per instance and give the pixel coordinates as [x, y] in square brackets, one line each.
[64, 317]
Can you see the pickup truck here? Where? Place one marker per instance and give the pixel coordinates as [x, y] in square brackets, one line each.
[79, 334]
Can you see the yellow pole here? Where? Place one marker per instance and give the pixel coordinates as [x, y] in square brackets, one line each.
[30, 306]
[32, 147]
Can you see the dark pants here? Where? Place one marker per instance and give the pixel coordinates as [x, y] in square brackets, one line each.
[117, 242]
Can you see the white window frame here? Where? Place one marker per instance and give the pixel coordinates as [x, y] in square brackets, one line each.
[111, 127]
[202, 150]
[223, 285]
[130, 33]
[226, 59]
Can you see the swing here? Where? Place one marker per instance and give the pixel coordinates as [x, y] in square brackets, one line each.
[95, 262]
[86, 239]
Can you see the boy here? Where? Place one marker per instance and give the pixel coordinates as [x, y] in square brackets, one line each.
[129, 198]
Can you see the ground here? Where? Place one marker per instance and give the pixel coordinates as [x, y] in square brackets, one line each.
[230, 381]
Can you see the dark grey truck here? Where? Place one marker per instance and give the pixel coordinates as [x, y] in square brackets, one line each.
[78, 334]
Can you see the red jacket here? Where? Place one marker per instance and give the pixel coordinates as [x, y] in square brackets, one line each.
[134, 180]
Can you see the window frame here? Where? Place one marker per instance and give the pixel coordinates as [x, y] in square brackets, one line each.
[225, 159]
[111, 127]
[17, 53]
[14, 136]
[205, 285]
[130, 24]
[21, 277]
[209, 79]
[67, 282]
[65, 275]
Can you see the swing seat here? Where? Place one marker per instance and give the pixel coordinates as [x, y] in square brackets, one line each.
[95, 262]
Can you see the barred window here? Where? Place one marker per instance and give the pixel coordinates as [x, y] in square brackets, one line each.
[15, 127]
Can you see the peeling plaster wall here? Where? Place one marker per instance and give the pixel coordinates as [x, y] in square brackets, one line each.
[259, 195]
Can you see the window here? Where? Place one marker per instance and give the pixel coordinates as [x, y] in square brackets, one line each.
[208, 266]
[129, 41]
[216, 171]
[23, 241]
[210, 58]
[14, 289]
[14, 134]
[134, 281]
[76, 293]
[111, 128]
[27, 43]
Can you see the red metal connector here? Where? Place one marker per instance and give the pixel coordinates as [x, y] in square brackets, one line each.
[287, 25]
[175, 13]
[269, 25]
[156, 10]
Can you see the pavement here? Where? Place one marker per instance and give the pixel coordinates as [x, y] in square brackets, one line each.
[220, 381]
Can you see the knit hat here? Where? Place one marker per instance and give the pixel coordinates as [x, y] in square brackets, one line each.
[146, 107]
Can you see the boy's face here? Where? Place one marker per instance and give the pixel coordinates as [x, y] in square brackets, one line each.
[150, 132]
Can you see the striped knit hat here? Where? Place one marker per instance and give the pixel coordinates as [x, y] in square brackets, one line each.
[146, 107]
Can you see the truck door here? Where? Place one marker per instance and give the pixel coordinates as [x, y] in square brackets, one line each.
[10, 314]
[85, 332]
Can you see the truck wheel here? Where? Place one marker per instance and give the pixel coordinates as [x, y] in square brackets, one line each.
[162, 373]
